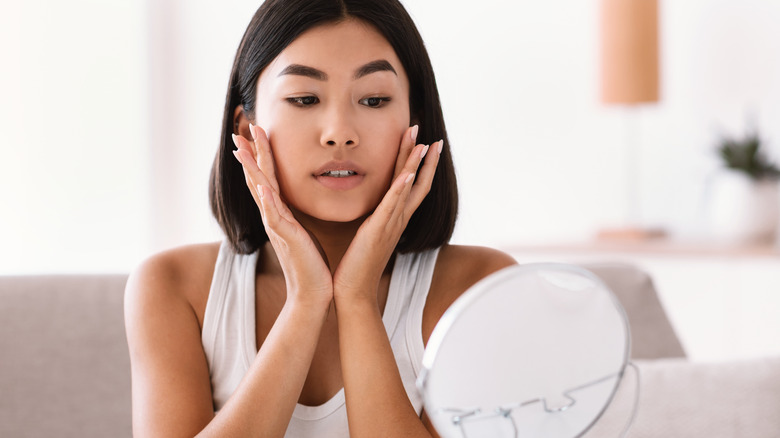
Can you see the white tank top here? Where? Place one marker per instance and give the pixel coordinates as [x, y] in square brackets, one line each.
[229, 339]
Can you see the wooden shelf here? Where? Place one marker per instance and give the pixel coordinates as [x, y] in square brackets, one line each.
[659, 247]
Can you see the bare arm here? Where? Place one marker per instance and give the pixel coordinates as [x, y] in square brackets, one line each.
[378, 391]
[377, 404]
[265, 400]
[171, 386]
[170, 379]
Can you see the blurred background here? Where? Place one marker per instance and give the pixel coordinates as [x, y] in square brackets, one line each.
[111, 112]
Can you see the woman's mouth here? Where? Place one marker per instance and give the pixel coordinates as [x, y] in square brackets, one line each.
[339, 173]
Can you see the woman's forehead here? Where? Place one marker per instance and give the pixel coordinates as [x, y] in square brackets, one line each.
[337, 49]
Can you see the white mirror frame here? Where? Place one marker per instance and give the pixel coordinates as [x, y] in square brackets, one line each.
[475, 366]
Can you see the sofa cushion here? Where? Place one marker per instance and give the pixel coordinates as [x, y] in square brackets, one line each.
[683, 399]
[64, 367]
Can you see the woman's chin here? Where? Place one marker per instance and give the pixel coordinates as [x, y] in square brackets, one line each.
[341, 217]
[336, 214]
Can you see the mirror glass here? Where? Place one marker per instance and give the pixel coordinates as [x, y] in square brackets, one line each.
[532, 350]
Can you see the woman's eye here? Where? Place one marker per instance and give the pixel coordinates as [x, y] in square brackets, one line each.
[303, 100]
[374, 102]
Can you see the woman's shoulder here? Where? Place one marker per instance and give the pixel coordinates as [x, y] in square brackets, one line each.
[458, 267]
[182, 272]
[162, 324]
[468, 264]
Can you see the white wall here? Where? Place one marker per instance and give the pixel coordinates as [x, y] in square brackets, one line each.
[74, 173]
[111, 113]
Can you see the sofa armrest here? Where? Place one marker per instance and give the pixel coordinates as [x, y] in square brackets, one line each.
[64, 361]
[652, 335]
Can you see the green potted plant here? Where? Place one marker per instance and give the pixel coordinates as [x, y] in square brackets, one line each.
[745, 155]
[744, 204]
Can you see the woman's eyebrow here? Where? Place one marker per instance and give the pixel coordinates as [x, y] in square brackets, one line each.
[373, 67]
[302, 70]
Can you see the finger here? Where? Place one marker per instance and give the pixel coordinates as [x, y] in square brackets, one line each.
[244, 151]
[273, 218]
[242, 143]
[251, 184]
[409, 169]
[282, 207]
[392, 205]
[406, 148]
[415, 157]
[253, 176]
[252, 171]
[263, 154]
[243, 156]
[424, 180]
[270, 218]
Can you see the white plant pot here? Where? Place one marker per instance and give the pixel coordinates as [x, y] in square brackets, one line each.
[741, 210]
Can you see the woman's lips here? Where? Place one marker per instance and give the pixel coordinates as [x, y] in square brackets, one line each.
[340, 183]
[339, 175]
[336, 165]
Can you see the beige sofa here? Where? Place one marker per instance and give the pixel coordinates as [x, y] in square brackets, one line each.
[65, 371]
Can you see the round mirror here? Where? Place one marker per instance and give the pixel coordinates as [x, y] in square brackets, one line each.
[530, 351]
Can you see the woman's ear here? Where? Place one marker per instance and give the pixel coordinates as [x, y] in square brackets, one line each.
[241, 123]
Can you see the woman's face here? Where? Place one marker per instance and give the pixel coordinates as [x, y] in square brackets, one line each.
[335, 105]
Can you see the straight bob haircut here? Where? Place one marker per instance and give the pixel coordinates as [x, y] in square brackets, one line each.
[274, 26]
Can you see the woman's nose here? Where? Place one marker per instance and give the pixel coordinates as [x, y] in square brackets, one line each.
[339, 129]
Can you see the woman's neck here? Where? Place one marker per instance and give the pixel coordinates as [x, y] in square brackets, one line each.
[333, 238]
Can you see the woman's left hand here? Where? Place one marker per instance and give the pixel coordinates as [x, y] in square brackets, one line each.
[361, 268]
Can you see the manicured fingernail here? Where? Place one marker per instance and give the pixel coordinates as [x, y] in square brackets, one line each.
[252, 130]
[409, 178]
[235, 139]
[441, 145]
[414, 133]
[424, 151]
[238, 157]
[260, 191]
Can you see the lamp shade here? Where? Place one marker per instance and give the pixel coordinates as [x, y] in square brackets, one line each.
[629, 51]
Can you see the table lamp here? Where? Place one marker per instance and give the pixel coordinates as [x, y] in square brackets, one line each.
[630, 79]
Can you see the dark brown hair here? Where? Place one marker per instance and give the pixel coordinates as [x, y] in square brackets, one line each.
[274, 26]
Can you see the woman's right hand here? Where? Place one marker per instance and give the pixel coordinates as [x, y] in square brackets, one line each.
[307, 276]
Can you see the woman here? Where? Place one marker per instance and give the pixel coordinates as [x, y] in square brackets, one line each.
[335, 189]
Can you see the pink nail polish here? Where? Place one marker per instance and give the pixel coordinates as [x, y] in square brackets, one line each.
[441, 145]
[252, 130]
[424, 151]
[415, 128]
[235, 139]
[238, 157]
[409, 178]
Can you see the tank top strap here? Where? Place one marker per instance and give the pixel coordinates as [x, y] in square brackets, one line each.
[215, 304]
[411, 278]
[414, 339]
[228, 333]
